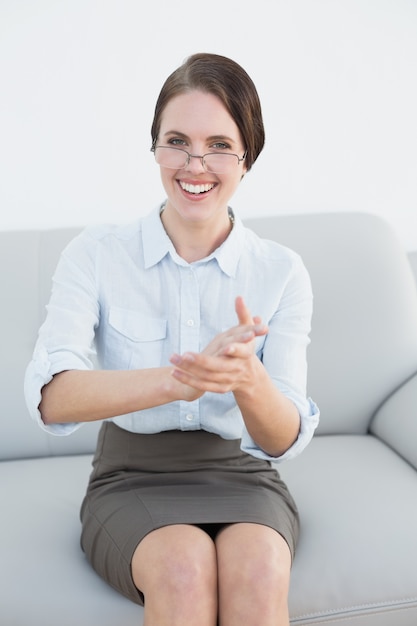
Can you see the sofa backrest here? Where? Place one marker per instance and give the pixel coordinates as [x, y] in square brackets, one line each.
[364, 338]
[364, 330]
[27, 262]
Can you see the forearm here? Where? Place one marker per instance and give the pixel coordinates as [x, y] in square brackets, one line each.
[271, 419]
[83, 396]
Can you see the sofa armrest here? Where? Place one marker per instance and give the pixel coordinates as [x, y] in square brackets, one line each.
[412, 257]
[395, 422]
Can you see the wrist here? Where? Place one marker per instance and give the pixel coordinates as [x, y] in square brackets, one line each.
[176, 390]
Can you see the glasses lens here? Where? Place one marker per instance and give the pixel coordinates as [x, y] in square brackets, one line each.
[219, 162]
[174, 158]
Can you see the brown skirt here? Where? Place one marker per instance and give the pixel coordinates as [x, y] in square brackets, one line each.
[143, 482]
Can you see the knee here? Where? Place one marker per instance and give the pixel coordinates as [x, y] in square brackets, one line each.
[189, 575]
[261, 565]
[263, 573]
[185, 567]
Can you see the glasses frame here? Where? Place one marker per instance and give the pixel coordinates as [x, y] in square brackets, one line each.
[197, 156]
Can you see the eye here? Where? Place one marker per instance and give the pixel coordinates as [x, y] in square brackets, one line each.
[220, 145]
[176, 141]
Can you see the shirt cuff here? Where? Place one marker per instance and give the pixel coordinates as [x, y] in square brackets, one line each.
[38, 374]
[309, 422]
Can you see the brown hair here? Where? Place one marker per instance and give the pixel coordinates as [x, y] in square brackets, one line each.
[228, 81]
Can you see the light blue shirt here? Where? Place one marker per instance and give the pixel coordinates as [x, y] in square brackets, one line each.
[122, 298]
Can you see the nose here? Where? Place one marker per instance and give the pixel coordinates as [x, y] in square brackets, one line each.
[195, 164]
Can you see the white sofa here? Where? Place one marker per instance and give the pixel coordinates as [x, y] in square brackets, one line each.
[355, 485]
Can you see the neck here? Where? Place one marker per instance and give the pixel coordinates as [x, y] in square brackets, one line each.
[195, 241]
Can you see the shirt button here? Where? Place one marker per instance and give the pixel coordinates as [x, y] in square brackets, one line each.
[189, 417]
[190, 322]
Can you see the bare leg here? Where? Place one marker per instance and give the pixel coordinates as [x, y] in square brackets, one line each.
[254, 564]
[175, 567]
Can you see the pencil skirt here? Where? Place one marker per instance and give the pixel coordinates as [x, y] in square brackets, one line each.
[143, 482]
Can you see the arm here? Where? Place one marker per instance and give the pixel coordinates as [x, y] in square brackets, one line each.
[83, 396]
[89, 395]
[271, 418]
[229, 363]
[61, 385]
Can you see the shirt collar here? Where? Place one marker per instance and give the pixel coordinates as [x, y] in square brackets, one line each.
[228, 254]
[157, 244]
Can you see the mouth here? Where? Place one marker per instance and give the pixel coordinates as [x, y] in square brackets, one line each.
[196, 190]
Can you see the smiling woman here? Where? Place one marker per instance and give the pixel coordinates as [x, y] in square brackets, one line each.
[196, 193]
[229, 82]
[197, 394]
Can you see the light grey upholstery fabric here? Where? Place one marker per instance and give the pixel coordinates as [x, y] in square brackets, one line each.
[364, 337]
[27, 262]
[44, 577]
[355, 485]
[412, 257]
[396, 421]
[357, 554]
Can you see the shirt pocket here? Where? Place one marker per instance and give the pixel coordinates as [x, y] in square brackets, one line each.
[135, 340]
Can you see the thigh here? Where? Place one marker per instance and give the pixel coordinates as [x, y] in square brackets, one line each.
[175, 569]
[254, 563]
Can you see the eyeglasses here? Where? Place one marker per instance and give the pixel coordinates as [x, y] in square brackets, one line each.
[214, 162]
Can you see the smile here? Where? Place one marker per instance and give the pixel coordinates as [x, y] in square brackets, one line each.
[196, 189]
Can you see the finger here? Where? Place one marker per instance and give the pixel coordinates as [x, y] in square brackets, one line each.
[194, 364]
[210, 368]
[243, 314]
[245, 317]
[182, 360]
[238, 350]
[221, 374]
[214, 386]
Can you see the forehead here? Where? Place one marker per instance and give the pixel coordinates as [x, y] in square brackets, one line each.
[198, 112]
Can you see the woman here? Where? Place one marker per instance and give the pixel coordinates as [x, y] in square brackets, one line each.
[184, 512]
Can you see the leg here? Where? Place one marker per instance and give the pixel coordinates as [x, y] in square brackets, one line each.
[175, 567]
[254, 564]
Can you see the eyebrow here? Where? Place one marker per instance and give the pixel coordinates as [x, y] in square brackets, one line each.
[178, 133]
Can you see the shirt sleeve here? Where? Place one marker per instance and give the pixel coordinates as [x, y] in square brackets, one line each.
[285, 357]
[66, 338]
[308, 424]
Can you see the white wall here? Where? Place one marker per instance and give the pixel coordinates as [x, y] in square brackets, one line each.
[79, 79]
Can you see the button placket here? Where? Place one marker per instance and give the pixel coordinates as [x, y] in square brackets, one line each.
[189, 338]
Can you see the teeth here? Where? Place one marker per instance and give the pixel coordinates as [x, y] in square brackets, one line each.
[196, 188]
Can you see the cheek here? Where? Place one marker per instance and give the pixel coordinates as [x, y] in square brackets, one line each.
[167, 177]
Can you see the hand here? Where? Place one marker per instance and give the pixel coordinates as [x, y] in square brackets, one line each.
[228, 361]
[238, 339]
[182, 391]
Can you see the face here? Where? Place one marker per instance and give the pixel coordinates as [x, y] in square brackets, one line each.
[199, 123]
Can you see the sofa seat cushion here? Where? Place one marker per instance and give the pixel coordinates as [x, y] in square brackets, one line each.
[48, 581]
[356, 561]
[354, 564]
